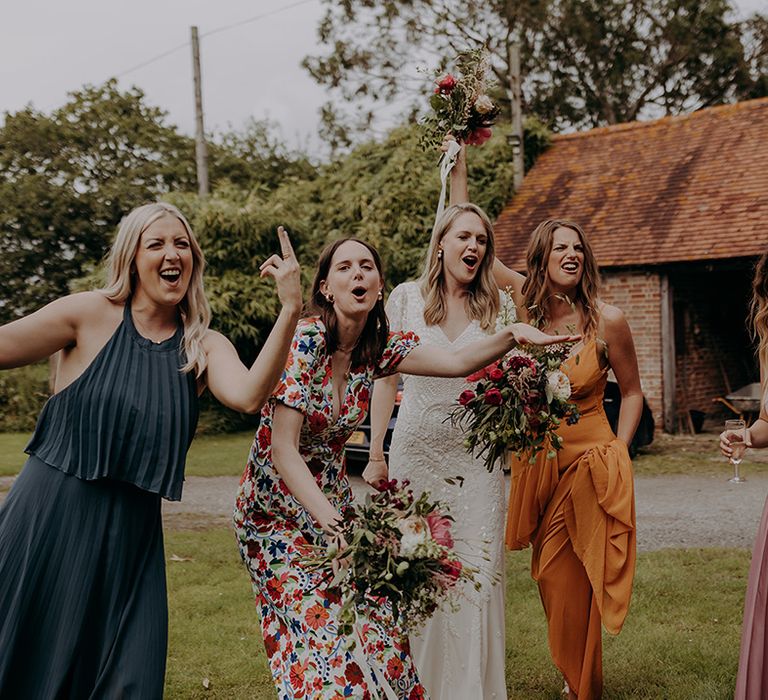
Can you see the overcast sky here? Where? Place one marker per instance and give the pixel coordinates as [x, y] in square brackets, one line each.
[49, 48]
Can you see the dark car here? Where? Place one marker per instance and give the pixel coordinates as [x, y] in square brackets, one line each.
[359, 442]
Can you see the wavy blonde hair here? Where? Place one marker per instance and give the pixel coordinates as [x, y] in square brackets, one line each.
[758, 313]
[194, 308]
[536, 292]
[483, 298]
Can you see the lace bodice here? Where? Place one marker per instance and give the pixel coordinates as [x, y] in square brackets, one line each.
[427, 448]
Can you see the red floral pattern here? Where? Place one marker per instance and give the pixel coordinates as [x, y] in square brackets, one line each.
[308, 657]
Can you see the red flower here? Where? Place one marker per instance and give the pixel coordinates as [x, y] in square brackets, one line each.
[317, 422]
[495, 374]
[478, 136]
[394, 667]
[296, 677]
[446, 85]
[353, 673]
[493, 397]
[452, 568]
[440, 529]
[466, 396]
[417, 693]
[316, 616]
[271, 645]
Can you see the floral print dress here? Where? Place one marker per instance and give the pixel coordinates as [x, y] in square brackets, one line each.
[308, 657]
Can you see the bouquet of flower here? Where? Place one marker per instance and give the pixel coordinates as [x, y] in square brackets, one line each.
[399, 548]
[516, 405]
[460, 105]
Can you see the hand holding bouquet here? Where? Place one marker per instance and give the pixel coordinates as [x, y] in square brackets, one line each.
[460, 105]
[516, 404]
[396, 547]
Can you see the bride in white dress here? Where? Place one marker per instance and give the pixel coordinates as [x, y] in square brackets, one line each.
[459, 655]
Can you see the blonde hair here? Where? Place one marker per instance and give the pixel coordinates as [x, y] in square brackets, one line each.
[536, 293]
[758, 313]
[194, 308]
[483, 299]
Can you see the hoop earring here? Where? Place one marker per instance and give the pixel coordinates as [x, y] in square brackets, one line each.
[380, 295]
[329, 298]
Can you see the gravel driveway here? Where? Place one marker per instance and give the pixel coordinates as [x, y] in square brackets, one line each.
[672, 511]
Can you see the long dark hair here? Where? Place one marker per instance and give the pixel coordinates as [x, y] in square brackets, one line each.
[373, 339]
[536, 294]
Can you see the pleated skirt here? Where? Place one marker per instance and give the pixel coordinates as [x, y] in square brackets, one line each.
[83, 603]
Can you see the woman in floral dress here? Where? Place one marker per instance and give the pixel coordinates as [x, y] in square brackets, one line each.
[295, 485]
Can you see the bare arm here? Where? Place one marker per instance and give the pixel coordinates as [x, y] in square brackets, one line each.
[382, 403]
[434, 361]
[459, 190]
[229, 380]
[757, 433]
[623, 361]
[39, 335]
[286, 428]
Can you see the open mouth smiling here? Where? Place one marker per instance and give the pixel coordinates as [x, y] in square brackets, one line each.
[171, 275]
[570, 267]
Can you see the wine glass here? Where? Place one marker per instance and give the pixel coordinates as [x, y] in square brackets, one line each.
[737, 433]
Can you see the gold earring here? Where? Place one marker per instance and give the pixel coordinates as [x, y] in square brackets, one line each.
[329, 298]
[380, 295]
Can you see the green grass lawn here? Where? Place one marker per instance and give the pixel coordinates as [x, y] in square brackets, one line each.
[225, 455]
[209, 455]
[680, 641]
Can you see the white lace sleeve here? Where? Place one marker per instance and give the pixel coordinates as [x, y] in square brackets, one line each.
[395, 308]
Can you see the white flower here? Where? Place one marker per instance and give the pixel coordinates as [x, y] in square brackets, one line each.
[415, 534]
[484, 104]
[558, 386]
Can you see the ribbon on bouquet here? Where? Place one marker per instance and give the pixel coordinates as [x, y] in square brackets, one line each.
[446, 165]
[365, 666]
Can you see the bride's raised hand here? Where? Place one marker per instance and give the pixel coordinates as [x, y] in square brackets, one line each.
[528, 335]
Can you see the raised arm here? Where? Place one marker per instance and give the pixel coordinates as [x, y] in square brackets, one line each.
[435, 361]
[623, 361]
[459, 190]
[382, 404]
[229, 380]
[286, 429]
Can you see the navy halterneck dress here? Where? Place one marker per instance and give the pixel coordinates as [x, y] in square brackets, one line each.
[83, 608]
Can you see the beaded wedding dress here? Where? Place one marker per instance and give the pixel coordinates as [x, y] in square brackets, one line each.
[458, 654]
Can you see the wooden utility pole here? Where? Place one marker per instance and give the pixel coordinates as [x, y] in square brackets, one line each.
[515, 99]
[201, 150]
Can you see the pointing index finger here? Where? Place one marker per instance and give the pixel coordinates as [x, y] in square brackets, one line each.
[286, 249]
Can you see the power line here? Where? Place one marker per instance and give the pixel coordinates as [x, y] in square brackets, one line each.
[214, 31]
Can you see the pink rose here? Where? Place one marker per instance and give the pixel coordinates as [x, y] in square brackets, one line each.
[446, 85]
[493, 397]
[466, 396]
[440, 529]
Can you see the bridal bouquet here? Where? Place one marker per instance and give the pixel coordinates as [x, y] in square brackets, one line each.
[460, 105]
[399, 548]
[516, 405]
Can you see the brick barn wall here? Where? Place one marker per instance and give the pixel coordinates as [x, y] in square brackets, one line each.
[638, 294]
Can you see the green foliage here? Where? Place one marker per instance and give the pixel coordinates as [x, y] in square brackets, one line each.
[584, 62]
[23, 391]
[67, 178]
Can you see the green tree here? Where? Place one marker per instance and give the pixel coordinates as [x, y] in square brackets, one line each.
[67, 179]
[584, 62]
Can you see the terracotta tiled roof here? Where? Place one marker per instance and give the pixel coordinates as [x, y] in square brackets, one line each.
[692, 187]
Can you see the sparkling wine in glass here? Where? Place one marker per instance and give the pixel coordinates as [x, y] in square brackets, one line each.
[737, 433]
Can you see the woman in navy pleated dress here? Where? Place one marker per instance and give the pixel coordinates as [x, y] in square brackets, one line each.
[83, 608]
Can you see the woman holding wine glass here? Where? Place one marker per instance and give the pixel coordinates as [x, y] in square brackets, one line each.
[752, 679]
